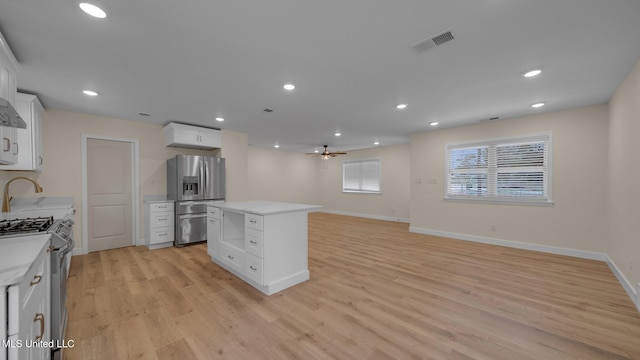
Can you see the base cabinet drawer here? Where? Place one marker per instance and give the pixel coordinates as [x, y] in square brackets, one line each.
[162, 219]
[254, 268]
[233, 257]
[161, 235]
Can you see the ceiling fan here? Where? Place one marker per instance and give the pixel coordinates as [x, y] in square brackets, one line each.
[326, 154]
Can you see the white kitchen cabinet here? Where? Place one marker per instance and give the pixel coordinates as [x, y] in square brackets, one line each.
[189, 136]
[159, 224]
[8, 72]
[214, 229]
[263, 243]
[9, 149]
[28, 312]
[28, 142]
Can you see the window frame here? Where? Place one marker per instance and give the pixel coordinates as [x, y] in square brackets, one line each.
[492, 170]
[361, 191]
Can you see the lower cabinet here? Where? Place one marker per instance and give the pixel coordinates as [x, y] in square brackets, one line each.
[28, 313]
[159, 224]
[270, 252]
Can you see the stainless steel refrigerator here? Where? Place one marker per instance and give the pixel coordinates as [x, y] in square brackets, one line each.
[193, 181]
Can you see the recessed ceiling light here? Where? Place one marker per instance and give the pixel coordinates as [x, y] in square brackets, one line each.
[289, 87]
[93, 10]
[338, 134]
[537, 105]
[434, 123]
[376, 143]
[276, 146]
[316, 151]
[90, 92]
[532, 73]
[220, 119]
[401, 106]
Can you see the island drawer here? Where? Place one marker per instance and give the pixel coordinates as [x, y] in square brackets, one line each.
[213, 212]
[254, 243]
[233, 257]
[254, 268]
[253, 221]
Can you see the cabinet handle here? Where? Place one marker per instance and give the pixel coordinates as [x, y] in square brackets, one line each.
[253, 242]
[230, 257]
[163, 234]
[162, 219]
[36, 280]
[17, 148]
[253, 268]
[7, 144]
[39, 160]
[40, 317]
[253, 221]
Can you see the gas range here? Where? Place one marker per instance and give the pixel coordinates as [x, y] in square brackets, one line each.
[26, 226]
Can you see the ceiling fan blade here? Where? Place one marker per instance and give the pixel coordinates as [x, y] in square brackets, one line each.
[340, 153]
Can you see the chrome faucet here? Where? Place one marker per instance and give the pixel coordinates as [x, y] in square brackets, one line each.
[6, 207]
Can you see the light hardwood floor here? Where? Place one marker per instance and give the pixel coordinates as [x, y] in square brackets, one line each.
[376, 291]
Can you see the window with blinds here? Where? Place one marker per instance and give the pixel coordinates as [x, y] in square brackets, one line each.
[510, 170]
[361, 176]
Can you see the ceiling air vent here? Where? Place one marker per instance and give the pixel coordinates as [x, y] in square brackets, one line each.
[432, 42]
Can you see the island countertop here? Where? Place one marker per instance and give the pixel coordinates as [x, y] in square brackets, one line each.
[17, 253]
[263, 207]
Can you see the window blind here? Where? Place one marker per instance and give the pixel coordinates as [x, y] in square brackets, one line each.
[516, 169]
[361, 176]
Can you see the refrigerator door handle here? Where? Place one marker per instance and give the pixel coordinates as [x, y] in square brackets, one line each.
[203, 180]
[205, 187]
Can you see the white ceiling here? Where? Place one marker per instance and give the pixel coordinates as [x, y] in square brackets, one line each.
[193, 60]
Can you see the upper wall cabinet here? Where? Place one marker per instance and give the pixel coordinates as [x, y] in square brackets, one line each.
[8, 72]
[189, 136]
[28, 142]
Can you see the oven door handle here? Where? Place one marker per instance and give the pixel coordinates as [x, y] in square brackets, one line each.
[69, 248]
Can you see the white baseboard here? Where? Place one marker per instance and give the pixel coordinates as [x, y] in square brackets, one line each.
[626, 284]
[368, 216]
[634, 294]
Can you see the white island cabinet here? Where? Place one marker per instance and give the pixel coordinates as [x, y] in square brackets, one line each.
[262, 242]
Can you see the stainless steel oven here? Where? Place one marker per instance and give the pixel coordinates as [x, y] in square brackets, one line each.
[62, 245]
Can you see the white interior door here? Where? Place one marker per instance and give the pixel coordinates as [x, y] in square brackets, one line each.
[109, 194]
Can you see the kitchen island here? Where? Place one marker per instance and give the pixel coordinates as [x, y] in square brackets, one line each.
[263, 243]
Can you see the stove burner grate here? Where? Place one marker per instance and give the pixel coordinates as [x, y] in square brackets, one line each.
[28, 225]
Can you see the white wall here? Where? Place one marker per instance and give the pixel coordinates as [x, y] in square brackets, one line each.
[392, 204]
[577, 218]
[282, 176]
[623, 191]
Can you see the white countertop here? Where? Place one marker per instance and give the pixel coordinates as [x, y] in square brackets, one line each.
[263, 207]
[17, 254]
[154, 199]
[32, 207]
